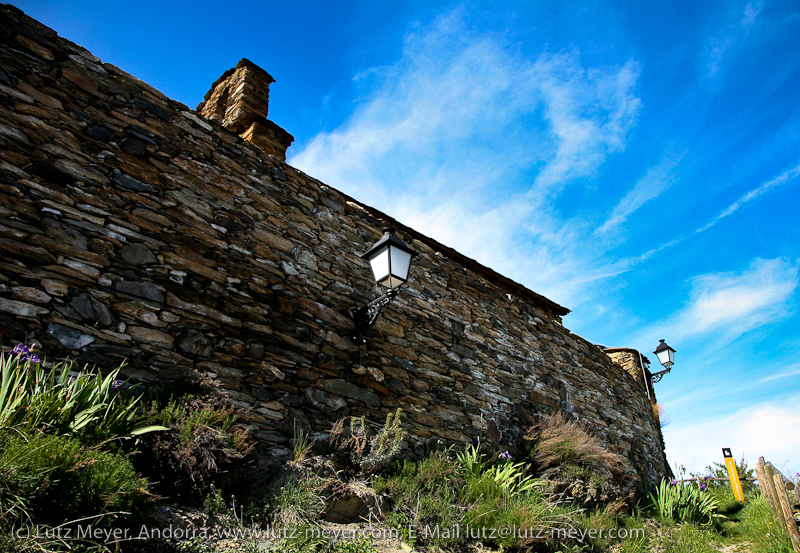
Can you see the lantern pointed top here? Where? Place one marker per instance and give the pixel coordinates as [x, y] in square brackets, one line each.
[388, 239]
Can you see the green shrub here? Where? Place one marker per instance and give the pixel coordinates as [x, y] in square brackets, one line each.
[426, 495]
[719, 470]
[400, 522]
[51, 400]
[299, 501]
[444, 503]
[201, 447]
[186, 415]
[54, 479]
[214, 503]
[363, 455]
[674, 502]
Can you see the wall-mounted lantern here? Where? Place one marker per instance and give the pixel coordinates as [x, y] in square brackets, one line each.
[390, 260]
[666, 356]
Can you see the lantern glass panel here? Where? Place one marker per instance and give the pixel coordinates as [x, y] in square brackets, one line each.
[666, 356]
[400, 265]
[380, 265]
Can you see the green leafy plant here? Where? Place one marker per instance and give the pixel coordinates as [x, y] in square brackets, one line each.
[363, 454]
[214, 503]
[400, 522]
[720, 471]
[307, 538]
[58, 401]
[674, 502]
[472, 461]
[512, 476]
[188, 413]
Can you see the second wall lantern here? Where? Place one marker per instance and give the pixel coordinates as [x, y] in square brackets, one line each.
[666, 356]
[390, 260]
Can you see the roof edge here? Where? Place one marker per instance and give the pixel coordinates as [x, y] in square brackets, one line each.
[513, 286]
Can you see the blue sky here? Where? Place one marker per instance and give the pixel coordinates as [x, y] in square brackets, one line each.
[637, 162]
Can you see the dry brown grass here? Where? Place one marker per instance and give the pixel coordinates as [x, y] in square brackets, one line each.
[575, 466]
[558, 441]
[661, 415]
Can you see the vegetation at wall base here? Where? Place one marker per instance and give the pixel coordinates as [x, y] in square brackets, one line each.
[573, 464]
[556, 490]
[676, 502]
[57, 400]
[361, 454]
[200, 448]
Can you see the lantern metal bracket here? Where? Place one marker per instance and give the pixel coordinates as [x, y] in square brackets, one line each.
[656, 377]
[365, 317]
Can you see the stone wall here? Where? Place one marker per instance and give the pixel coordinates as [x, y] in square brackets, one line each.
[133, 228]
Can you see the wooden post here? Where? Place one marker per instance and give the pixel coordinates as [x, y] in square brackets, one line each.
[764, 486]
[786, 508]
[775, 501]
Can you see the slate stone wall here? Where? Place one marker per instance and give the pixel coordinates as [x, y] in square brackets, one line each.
[132, 228]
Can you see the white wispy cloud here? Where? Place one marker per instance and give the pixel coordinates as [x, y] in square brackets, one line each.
[657, 179]
[730, 304]
[770, 429]
[786, 176]
[468, 142]
[569, 93]
[739, 23]
[749, 15]
[788, 372]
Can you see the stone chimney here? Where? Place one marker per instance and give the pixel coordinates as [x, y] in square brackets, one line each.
[239, 101]
[632, 363]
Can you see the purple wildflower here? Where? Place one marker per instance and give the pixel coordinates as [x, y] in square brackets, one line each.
[25, 353]
[476, 441]
[505, 455]
[673, 483]
[702, 486]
